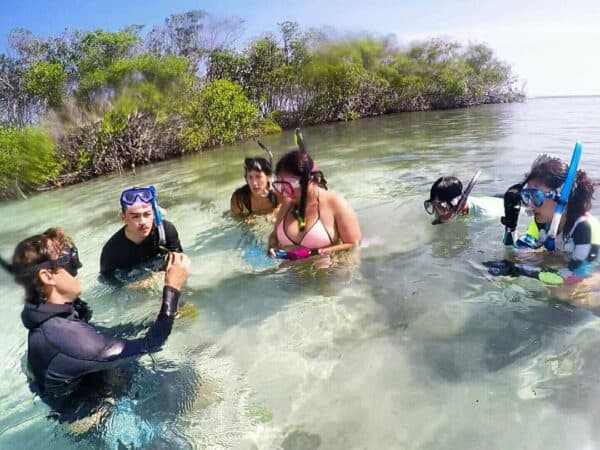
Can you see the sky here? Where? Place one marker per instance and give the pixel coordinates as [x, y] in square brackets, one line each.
[553, 46]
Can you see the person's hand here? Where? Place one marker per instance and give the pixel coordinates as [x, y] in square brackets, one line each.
[178, 265]
[512, 207]
[272, 253]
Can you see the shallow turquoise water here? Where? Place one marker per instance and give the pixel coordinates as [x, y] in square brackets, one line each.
[405, 344]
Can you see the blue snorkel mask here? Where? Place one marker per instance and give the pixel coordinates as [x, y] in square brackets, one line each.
[535, 197]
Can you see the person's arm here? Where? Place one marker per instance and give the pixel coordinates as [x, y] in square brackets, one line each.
[273, 242]
[346, 223]
[83, 349]
[173, 244]
[108, 266]
[512, 208]
[582, 239]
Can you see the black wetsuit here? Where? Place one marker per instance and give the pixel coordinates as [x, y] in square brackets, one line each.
[121, 253]
[63, 348]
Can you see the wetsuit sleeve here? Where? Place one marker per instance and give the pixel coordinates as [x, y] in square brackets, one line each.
[172, 236]
[107, 261]
[582, 238]
[108, 266]
[83, 349]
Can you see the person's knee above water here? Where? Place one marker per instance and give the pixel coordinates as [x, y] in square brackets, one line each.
[256, 196]
[447, 200]
[311, 218]
[62, 346]
[144, 237]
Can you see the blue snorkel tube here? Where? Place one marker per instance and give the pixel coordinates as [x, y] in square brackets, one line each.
[549, 243]
[162, 236]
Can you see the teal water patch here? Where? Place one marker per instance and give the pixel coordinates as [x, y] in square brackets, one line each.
[256, 256]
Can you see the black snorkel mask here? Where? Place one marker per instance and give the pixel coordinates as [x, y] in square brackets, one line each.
[259, 163]
[68, 260]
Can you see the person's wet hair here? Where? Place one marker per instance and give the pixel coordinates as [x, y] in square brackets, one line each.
[36, 250]
[446, 189]
[552, 172]
[258, 164]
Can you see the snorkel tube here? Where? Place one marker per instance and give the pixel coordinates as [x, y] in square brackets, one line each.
[565, 192]
[299, 212]
[465, 195]
[268, 150]
[162, 236]
[462, 200]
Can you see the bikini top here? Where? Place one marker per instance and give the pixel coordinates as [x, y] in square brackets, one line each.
[316, 237]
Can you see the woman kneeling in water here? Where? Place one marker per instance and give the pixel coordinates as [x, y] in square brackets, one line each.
[256, 196]
[578, 230]
[312, 220]
[578, 234]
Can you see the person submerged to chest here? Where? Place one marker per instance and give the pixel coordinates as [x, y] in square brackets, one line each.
[318, 228]
[120, 252]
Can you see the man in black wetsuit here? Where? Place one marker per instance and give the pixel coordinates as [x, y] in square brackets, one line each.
[141, 241]
[63, 347]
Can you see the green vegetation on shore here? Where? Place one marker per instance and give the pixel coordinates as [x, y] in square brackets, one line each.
[83, 104]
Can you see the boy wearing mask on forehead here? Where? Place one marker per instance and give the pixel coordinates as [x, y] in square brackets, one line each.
[143, 239]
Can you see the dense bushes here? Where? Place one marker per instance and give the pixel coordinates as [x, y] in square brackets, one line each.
[117, 99]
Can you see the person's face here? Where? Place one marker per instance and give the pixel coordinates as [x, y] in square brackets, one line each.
[257, 181]
[62, 280]
[443, 211]
[139, 218]
[67, 284]
[544, 212]
[288, 186]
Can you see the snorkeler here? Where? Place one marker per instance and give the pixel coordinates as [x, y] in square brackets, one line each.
[312, 220]
[447, 200]
[145, 237]
[256, 196]
[550, 188]
[64, 349]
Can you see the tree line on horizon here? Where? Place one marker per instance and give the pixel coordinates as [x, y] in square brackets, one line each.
[85, 103]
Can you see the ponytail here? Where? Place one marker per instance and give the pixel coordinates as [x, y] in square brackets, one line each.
[580, 200]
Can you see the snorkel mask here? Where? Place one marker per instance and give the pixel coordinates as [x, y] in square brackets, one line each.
[146, 195]
[535, 197]
[68, 260]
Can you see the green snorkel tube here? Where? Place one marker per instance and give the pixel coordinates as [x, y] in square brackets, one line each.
[162, 236]
[299, 212]
[565, 192]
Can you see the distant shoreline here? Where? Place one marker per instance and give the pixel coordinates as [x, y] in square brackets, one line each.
[562, 96]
